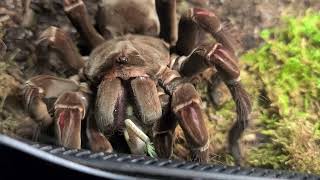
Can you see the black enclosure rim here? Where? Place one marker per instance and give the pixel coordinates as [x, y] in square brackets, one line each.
[125, 166]
[26, 148]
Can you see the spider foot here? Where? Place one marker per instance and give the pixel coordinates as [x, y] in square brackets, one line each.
[163, 136]
[38, 94]
[78, 15]
[200, 154]
[53, 36]
[60, 41]
[28, 129]
[34, 104]
[164, 129]
[211, 23]
[225, 62]
[227, 66]
[70, 110]
[186, 105]
[163, 142]
[205, 19]
[74, 5]
[97, 141]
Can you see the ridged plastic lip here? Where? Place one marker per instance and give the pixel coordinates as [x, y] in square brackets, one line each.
[126, 166]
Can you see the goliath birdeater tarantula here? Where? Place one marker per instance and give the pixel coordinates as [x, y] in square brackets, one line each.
[140, 57]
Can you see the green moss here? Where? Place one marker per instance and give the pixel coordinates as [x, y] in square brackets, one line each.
[288, 65]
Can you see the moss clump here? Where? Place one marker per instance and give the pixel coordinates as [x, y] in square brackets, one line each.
[288, 66]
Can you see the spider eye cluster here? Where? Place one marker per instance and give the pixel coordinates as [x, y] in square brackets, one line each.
[122, 59]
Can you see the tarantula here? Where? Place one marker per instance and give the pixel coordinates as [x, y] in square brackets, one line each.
[136, 61]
